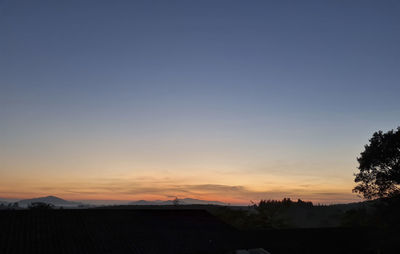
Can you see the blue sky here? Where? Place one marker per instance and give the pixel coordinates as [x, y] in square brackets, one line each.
[186, 89]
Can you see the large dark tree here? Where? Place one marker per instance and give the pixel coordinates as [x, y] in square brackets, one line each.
[379, 167]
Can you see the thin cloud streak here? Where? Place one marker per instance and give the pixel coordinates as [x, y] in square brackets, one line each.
[150, 188]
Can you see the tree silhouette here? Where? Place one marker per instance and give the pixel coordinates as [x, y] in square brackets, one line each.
[40, 206]
[270, 213]
[379, 166]
[176, 201]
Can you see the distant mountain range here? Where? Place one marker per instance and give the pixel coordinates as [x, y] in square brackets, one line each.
[48, 200]
[185, 201]
[56, 201]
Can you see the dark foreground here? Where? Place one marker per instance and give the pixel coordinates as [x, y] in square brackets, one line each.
[171, 231]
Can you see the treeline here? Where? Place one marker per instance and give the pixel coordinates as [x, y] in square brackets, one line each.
[379, 213]
[266, 214]
[32, 206]
[9, 206]
[284, 203]
[278, 214]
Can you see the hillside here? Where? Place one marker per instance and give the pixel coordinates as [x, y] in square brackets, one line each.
[185, 201]
[48, 200]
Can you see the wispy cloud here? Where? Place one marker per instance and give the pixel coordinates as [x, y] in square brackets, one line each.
[154, 188]
[128, 187]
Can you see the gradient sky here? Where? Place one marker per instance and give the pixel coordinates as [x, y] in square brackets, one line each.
[224, 100]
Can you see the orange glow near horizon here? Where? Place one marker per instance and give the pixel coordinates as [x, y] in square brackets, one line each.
[152, 188]
[197, 169]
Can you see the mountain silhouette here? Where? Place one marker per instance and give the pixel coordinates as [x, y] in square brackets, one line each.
[185, 201]
[56, 201]
[48, 200]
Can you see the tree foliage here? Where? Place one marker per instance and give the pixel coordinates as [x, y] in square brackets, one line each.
[40, 206]
[379, 166]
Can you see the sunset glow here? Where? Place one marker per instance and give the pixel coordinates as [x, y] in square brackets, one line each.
[223, 101]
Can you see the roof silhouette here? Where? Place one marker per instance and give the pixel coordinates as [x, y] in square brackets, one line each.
[113, 231]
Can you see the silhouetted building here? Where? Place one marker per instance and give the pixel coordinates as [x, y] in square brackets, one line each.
[113, 231]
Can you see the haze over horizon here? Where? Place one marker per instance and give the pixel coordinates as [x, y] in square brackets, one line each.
[212, 100]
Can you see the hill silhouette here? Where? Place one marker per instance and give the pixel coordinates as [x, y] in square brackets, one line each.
[56, 201]
[185, 201]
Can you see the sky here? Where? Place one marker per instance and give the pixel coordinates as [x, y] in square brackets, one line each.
[234, 101]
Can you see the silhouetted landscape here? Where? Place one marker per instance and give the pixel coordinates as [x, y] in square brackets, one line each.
[53, 225]
[284, 226]
[267, 214]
